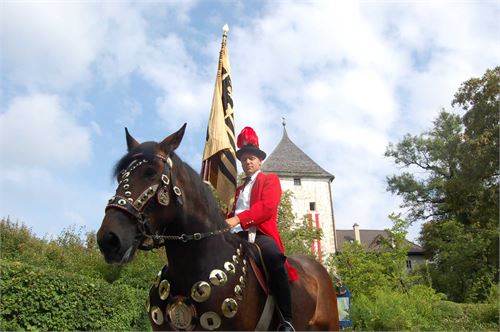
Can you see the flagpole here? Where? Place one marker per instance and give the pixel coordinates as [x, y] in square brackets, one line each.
[225, 30]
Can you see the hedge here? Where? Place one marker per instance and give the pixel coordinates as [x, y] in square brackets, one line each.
[420, 309]
[468, 316]
[34, 298]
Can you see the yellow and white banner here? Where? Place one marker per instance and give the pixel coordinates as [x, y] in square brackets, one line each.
[219, 156]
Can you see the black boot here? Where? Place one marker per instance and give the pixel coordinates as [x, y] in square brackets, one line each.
[281, 292]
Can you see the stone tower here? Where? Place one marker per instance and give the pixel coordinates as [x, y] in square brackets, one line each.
[311, 188]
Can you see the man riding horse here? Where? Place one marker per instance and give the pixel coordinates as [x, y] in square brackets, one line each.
[210, 282]
[254, 217]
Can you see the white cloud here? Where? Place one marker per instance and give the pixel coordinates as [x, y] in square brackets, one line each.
[123, 38]
[96, 128]
[443, 43]
[350, 75]
[38, 131]
[186, 91]
[54, 46]
[73, 217]
[129, 113]
[316, 61]
[48, 45]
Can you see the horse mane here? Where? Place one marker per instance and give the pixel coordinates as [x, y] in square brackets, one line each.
[214, 210]
[147, 151]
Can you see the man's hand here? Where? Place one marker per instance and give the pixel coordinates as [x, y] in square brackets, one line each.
[233, 221]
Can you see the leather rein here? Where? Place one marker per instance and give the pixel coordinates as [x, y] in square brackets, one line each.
[162, 190]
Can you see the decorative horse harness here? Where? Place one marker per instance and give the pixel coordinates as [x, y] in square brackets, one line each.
[180, 311]
[137, 208]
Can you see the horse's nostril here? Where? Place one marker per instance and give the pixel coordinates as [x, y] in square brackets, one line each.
[111, 241]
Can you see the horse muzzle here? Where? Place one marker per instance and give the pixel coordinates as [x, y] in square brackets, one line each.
[117, 244]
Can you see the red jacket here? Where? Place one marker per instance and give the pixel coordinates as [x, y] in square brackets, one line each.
[263, 213]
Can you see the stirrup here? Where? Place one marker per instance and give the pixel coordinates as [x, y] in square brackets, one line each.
[286, 326]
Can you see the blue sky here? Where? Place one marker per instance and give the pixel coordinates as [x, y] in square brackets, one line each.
[349, 77]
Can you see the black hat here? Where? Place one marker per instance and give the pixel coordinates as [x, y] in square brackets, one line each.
[248, 142]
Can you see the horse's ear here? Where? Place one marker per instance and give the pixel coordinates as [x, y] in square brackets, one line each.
[171, 143]
[131, 142]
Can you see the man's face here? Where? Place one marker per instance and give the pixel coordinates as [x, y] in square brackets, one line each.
[250, 163]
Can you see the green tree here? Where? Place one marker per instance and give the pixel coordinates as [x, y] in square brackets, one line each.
[451, 183]
[365, 272]
[297, 236]
[460, 266]
[479, 167]
[427, 194]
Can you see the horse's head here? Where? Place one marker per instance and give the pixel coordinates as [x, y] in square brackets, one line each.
[146, 193]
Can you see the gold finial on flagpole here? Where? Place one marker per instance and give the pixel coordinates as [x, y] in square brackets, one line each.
[225, 29]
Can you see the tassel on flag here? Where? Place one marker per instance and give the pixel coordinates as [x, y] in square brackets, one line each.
[219, 156]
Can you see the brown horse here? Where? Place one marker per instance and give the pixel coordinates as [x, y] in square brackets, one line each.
[209, 282]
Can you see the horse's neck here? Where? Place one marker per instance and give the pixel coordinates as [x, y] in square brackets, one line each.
[192, 261]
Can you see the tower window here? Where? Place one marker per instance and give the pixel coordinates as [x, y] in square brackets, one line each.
[312, 206]
[296, 181]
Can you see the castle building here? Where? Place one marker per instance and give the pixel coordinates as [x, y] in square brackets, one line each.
[311, 188]
[312, 196]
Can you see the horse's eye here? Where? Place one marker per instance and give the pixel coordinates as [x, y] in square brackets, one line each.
[149, 172]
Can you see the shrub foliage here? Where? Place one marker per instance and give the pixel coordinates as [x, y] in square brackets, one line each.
[36, 298]
[64, 283]
[388, 298]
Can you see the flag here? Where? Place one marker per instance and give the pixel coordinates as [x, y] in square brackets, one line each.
[219, 156]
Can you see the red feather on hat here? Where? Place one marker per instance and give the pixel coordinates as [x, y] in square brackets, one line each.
[246, 137]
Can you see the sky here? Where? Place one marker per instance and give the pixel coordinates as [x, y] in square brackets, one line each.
[348, 76]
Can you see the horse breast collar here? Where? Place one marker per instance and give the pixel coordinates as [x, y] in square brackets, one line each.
[162, 191]
[181, 312]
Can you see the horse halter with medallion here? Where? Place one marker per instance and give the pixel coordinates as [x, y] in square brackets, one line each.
[136, 208]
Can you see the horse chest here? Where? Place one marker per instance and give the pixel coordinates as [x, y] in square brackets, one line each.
[181, 302]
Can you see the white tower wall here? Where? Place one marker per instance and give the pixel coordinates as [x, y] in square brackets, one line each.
[315, 190]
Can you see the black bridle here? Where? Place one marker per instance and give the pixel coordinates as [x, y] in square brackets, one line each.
[162, 190]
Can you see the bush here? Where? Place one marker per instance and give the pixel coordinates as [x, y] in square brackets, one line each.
[453, 316]
[421, 308]
[17, 242]
[36, 298]
[69, 252]
[389, 310]
[67, 265]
